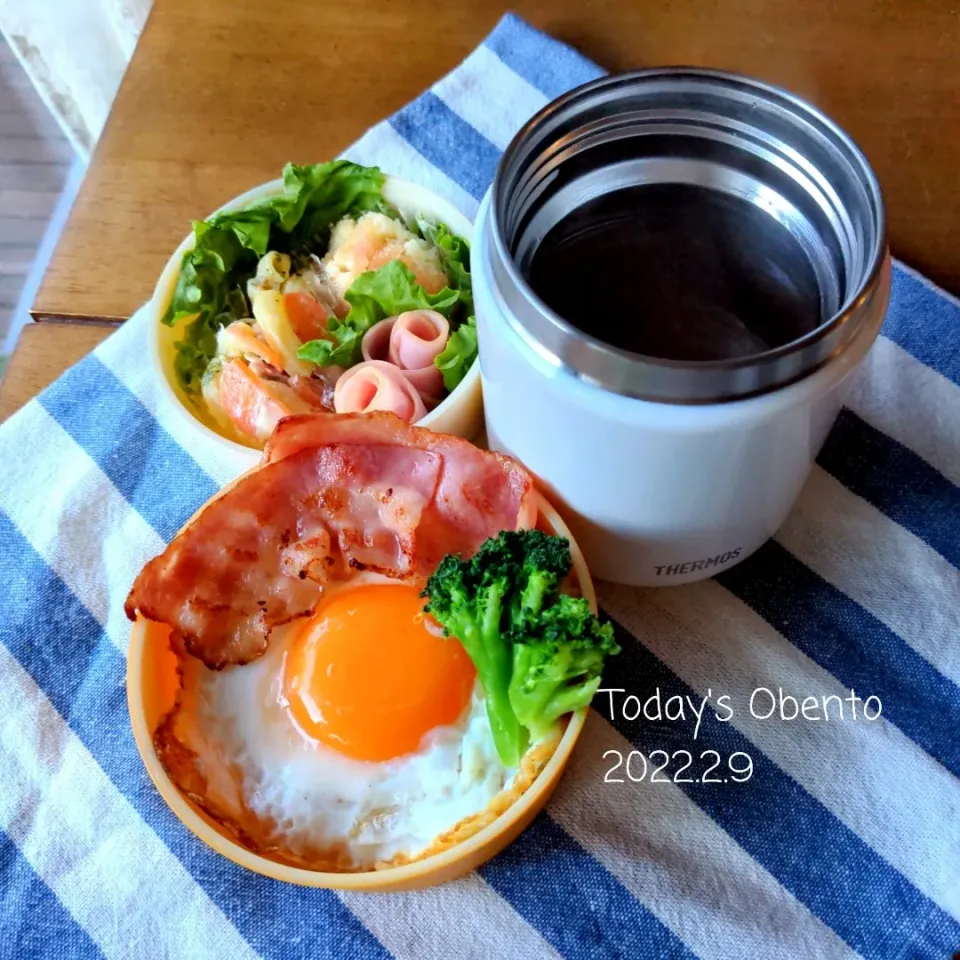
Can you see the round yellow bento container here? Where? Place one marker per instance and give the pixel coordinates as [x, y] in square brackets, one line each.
[151, 688]
[460, 413]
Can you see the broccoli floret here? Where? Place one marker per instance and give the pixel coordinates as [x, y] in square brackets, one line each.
[546, 562]
[556, 667]
[467, 600]
[538, 653]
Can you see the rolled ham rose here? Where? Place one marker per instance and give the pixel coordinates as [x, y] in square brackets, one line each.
[378, 385]
[417, 338]
[375, 344]
[411, 341]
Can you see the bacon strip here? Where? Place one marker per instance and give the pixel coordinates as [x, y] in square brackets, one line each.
[479, 494]
[258, 555]
[333, 494]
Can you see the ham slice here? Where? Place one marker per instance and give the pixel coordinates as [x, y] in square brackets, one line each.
[375, 344]
[417, 338]
[375, 385]
[411, 341]
[334, 494]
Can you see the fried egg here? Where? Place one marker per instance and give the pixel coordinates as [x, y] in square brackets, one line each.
[358, 738]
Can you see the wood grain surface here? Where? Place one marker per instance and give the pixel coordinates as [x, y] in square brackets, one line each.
[221, 93]
[43, 352]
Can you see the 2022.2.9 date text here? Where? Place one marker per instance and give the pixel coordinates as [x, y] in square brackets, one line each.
[656, 768]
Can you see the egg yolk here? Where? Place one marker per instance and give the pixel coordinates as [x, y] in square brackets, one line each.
[366, 677]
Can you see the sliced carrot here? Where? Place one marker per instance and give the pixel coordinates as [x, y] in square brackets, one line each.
[241, 338]
[249, 401]
[307, 316]
[275, 328]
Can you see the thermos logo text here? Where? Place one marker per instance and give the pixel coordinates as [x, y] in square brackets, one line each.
[692, 566]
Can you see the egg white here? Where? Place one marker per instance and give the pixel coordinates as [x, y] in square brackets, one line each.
[308, 796]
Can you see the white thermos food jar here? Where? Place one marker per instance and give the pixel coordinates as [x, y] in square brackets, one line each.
[675, 271]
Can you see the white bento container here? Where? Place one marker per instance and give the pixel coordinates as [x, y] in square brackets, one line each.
[460, 413]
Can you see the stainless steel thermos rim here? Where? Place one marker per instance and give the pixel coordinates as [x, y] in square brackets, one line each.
[744, 138]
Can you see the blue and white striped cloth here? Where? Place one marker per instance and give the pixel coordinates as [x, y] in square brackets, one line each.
[845, 842]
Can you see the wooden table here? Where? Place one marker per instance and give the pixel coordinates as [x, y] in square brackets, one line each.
[45, 350]
[220, 94]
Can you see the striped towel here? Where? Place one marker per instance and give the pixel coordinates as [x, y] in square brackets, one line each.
[844, 842]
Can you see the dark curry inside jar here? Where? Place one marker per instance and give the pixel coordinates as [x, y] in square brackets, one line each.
[678, 272]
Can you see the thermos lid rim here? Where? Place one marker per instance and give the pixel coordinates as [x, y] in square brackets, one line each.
[776, 145]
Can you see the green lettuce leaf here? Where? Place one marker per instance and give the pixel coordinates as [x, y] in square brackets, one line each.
[228, 245]
[459, 353]
[454, 257]
[325, 193]
[461, 349]
[199, 343]
[373, 296]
